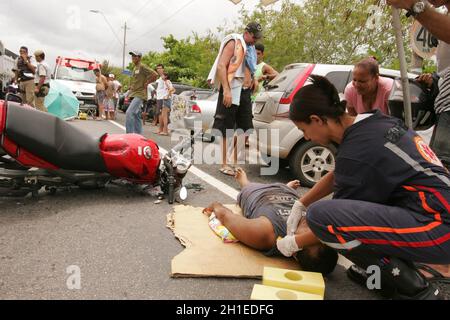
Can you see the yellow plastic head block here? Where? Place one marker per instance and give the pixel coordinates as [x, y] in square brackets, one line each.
[308, 282]
[271, 293]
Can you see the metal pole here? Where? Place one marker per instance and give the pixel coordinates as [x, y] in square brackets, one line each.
[124, 45]
[403, 66]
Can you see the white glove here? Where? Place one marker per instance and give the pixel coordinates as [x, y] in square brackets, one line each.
[288, 246]
[297, 212]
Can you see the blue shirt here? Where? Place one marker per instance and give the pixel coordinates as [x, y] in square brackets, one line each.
[251, 59]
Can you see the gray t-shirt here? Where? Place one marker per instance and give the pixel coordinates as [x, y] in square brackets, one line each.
[273, 201]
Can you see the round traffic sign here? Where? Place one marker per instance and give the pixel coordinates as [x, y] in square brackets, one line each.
[422, 41]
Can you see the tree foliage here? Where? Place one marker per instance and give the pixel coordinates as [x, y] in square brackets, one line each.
[328, 31]
[313, 31]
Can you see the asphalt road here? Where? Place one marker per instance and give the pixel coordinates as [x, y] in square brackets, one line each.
[119, 240]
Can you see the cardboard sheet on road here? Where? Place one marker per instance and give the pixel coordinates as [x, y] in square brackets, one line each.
[207, 256]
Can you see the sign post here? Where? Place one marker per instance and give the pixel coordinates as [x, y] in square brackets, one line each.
[403, 66]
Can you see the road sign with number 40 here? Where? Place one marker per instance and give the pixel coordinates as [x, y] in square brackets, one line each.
[422, 41]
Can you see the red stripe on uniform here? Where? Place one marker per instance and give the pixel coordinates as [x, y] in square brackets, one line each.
[423, 244]
[438, 195]
[338, 236]
[426, 228]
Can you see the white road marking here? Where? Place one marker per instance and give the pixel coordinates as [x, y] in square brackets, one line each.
[219, 185]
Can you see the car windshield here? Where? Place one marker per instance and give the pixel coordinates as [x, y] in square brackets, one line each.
[285, 79]
[75, 74]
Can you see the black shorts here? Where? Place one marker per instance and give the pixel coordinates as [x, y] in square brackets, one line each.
[148, 108]
[158, 108]
[244, 116]
[234, 117]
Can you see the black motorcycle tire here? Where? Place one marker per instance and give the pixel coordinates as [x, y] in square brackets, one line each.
[171, 193]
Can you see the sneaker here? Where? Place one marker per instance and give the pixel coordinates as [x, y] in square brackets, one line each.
[359, 276]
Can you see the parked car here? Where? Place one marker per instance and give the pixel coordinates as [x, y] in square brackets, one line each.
[308, 161]
[181, 104]
[180, 87]
[197, 94]
[201, 112]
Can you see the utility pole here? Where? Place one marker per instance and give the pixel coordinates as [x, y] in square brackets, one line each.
[124, 45]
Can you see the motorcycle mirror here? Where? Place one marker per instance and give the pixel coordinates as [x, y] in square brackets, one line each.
[183, 193]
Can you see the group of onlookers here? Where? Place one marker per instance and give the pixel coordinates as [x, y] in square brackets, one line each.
[107, 96]
[142, 91]
[32, 78]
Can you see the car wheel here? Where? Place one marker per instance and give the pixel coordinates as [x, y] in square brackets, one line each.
[310, 162]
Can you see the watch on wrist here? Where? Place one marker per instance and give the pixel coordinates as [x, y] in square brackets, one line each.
[417, 9]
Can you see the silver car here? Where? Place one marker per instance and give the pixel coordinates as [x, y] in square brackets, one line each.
[308, 161]
[200, 114]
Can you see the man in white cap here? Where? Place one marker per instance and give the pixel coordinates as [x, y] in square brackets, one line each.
[41, 81]
[142, 76]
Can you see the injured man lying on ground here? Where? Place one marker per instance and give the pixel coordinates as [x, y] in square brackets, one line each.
[266, 208]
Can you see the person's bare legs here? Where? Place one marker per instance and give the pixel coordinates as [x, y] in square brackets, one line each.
[242, 178]
[165, 118]
[255, 233]
[226, 169]
[237, 143]
[160, 120]
[101, 111]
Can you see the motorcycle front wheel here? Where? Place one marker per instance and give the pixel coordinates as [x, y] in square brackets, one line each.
[171, 193]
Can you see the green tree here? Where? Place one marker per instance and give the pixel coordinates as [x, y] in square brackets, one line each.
[327, 31]
[188, 60]
[314, 31]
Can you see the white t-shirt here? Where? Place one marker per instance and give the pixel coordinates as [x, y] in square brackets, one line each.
[162, 92]
[42, 69]
[117, 85]
[150, 90]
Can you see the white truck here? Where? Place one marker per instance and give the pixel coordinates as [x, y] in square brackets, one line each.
[78, 75]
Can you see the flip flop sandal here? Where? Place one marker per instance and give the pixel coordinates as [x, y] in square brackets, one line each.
[228, 171]
[436, 275]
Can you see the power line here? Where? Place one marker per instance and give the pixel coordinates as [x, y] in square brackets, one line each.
[160, 24]
[107, 22]
[141, 10]
[138, 12]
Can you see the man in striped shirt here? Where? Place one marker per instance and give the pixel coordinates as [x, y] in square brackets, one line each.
[438, 24]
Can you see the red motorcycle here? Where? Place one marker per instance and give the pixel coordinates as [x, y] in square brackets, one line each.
[39, 150]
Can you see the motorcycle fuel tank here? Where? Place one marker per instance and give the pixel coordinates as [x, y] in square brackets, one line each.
[131, 156]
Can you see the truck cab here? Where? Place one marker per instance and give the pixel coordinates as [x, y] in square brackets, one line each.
[78, 75]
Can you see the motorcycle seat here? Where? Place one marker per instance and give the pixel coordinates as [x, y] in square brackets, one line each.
[53, 139]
